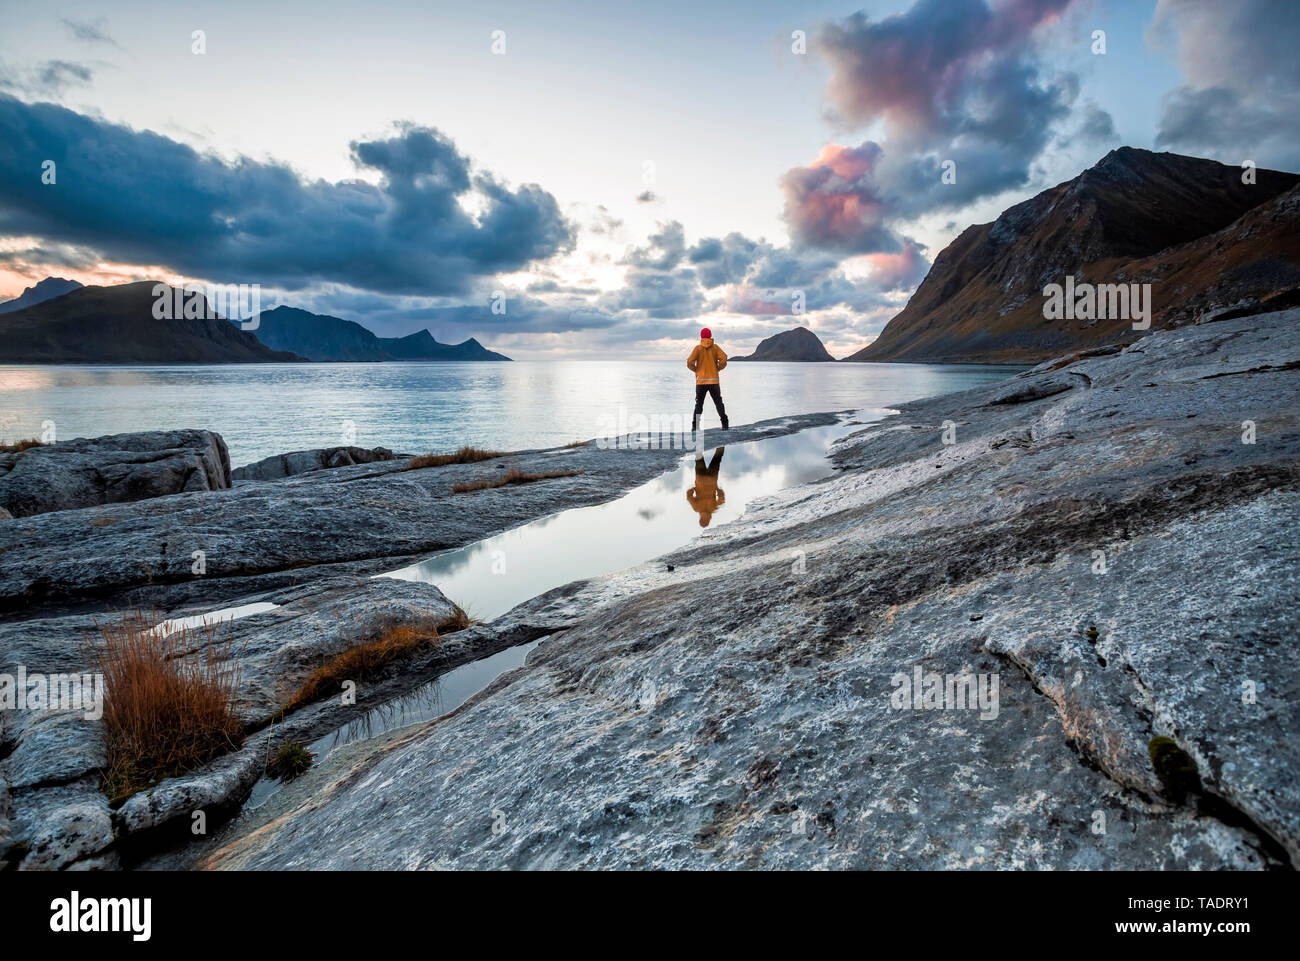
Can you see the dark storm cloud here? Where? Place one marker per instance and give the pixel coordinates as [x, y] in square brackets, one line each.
[957, 86]
[665, 249]
[784, 267]
[754, 277]
[942, 68]
[724, 260]
[140, 197]
[734, 273]
[658, 293]
[32, 260]
[1098, 126]
[1241, 93]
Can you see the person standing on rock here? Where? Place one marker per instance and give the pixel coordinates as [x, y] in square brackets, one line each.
[707, 360]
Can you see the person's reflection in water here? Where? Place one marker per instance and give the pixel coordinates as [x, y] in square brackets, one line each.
[706, 496]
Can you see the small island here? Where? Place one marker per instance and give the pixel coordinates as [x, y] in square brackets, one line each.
[800, 345]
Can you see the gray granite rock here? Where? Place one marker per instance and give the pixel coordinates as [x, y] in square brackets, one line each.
[54, 747]
[89, 472]
[63, 825]
[1113, 554]
[300, 462]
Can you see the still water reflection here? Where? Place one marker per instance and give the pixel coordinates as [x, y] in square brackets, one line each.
[706, 496]
[491, 576]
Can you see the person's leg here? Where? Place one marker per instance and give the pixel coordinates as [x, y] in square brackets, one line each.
[700, 390]
[716, 391]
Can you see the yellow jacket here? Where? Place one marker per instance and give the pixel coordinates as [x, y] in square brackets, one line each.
[706, 496]
[706, 360]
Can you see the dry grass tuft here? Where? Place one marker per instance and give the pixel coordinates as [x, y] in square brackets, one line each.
[166, 710]
[19, 445]
[513, 476]
[385, 646]
[577, 443]
[455, 622]
[466, 455]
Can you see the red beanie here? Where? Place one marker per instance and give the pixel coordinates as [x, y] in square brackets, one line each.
[705, 334]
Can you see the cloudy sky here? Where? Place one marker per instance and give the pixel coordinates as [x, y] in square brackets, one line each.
[616, 174]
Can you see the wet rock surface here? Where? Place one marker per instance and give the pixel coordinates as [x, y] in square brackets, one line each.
[89, 472]
[201, 547]
[1113, 541]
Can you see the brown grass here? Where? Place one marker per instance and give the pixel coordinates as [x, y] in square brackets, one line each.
[577, 443]
[102, 522]
[466, 455]
[385, 646]
[165, 711]
[19, 445]
[513, 476]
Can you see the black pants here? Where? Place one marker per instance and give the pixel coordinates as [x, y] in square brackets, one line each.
[715, 391]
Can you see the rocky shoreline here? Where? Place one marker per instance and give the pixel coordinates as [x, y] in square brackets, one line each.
[308, 543]
[737, 711]
[1101, 540]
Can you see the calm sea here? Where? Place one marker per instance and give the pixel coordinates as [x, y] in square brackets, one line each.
[264, 409]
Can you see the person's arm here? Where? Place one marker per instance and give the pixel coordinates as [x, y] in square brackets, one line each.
[693, 361]
[722, 357]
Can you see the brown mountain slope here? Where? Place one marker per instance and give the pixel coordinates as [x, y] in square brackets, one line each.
[116, 325]
[1136, 216]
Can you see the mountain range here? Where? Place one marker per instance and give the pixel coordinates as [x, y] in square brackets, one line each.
[320, 337]
[116, 325]
[60, 321]
[1190, 227]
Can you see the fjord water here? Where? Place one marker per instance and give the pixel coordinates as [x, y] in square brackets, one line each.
[265, 409]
